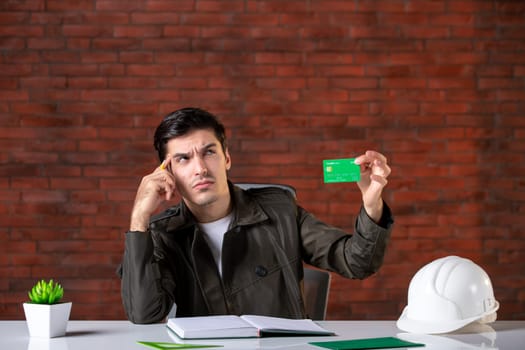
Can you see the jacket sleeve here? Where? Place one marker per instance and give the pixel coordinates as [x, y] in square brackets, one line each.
[142, 295]
[353, 255]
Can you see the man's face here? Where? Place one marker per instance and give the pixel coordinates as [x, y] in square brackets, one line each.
[199, 166]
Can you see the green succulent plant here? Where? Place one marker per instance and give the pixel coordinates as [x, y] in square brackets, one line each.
[46, 292]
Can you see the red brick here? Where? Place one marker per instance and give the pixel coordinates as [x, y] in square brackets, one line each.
[404, 145]
[75, 70]
[261, 146]
[197, 96]
[13, 17]
[13, 43]
[73, 183]
[87, 30]
[99, 57]
[500, 46]
[288, 43]
[131, 83]
[8, 83]
[22, 30]
[44, 196]
[519, 71]
[18, 272]
[31, 260]
[91, 196]
[21, 57]
[415, 196]
[88, 82]
[298, 19]
[36, 108]
[153, 18]
[114, 43]
[452, 19]
[109, 5]
[87, 259]
[150, 70]
[21, 247]
[332, 6]
[382, 6]
[54, 82]
[104, 18]
[136, 57]
[254, 20]
[375, 32]
[15, 69]
[462, 58]
[276, 57]
[208, 19]
[30, 182]
[169, 5]
[112, 69]
[79, 5]
[216, 83]
[405, 83]
[137, 31]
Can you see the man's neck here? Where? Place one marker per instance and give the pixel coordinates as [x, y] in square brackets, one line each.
[213, 211]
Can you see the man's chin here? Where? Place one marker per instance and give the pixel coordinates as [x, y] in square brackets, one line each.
[204, 199]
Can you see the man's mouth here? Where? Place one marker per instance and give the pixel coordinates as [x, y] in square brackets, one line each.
[203, 184]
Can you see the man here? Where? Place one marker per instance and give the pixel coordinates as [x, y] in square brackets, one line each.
[223, 250]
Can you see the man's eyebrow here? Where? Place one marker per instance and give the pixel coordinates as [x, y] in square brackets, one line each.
[178, 155]
[209, 145]
[205, 147]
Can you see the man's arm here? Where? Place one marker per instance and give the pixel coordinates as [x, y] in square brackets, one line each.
[360, 254]
[142, 295]
[353, 255]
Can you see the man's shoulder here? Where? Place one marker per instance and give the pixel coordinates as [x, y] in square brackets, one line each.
[269, 192]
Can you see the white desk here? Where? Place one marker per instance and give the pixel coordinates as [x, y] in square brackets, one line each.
[121, 335]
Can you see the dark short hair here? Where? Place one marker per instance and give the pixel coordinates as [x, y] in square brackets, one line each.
[183, 121]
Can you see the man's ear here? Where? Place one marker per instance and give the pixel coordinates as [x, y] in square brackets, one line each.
[228, 159]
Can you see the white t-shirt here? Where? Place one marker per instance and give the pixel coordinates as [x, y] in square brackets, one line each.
[214, 234]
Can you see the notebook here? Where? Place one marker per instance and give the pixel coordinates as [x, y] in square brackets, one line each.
[246, 326]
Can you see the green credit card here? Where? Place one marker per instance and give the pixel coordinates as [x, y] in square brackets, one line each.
[341, 170]
[173, 346]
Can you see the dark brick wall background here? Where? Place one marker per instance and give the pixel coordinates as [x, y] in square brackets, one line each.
[437, 86]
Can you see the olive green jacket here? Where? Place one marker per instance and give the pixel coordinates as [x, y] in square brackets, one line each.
[262, 259]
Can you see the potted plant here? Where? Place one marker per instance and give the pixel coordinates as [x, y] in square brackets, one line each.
[46, 316]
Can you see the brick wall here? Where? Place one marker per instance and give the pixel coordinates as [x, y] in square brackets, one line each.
[437, 86]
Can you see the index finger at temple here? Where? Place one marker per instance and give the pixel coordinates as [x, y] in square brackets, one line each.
[165, 163]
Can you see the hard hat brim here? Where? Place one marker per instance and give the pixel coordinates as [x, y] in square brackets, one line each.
[478, 341]
[436, 327]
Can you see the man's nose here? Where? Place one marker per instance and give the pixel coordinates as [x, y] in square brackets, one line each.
[200, 167]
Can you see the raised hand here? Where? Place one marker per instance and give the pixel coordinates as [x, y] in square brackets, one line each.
[155, 188]
[374, 173]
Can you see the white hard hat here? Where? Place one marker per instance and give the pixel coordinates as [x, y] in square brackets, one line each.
[446, 295]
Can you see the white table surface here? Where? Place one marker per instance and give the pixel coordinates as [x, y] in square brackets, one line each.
[120, 335]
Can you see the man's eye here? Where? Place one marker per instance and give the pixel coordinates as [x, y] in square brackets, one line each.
[210, 151]
[181, 159]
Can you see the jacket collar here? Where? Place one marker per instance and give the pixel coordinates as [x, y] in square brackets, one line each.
[246, 211]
